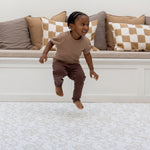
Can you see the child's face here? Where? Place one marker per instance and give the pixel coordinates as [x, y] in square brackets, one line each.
[81, 26]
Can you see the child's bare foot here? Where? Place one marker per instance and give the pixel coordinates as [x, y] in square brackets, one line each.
[78, 104]
[59, 91]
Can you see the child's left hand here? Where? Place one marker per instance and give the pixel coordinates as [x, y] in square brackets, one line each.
[92, 73]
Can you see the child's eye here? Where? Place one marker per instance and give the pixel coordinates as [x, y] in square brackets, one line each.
[84, 24]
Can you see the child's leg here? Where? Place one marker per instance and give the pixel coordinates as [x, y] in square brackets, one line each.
[59, 71]
[78, 76]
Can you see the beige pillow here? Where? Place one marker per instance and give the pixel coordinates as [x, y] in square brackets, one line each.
[119, 19]
[35, 28]
[131, 37]
[61, 17]
[53, 28]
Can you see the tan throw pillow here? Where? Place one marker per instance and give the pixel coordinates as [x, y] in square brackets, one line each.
[131, 37]
[119, 19]
[61, 17]
[35, 28]
[53, 28]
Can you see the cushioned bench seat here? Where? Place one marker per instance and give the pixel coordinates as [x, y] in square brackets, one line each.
[95, 54]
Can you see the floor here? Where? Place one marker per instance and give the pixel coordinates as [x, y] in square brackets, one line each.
[61, 126]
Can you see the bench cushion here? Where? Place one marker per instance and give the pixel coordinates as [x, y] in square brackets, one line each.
[95, 54]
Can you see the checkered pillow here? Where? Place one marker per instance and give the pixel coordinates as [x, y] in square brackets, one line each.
[91, 33]
[131, 37]
[52, 28]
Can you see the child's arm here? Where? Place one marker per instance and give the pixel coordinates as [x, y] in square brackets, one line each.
[45, 52]
[88, 59]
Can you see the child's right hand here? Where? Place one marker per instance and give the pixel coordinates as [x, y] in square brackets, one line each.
[43, 58]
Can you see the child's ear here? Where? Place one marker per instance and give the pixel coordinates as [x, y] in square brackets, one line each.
[71, 26]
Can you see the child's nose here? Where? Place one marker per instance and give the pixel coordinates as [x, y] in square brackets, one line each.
[86, 27]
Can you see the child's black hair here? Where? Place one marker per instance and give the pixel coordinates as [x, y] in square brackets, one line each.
[73, 16]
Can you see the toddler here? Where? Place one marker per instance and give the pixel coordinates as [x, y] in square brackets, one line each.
[70, 45]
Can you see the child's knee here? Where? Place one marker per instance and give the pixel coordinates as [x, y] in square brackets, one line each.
[80, 77]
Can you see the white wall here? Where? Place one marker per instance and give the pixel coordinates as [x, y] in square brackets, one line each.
[11, 9]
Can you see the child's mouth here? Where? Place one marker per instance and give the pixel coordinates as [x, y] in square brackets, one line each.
[84, 32]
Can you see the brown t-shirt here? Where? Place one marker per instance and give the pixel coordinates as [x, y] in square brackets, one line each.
[69, 49]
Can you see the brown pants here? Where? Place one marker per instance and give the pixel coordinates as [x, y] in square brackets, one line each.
[74, 72]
